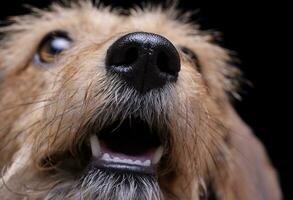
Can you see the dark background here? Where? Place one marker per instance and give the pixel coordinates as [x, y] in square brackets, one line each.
[258, 33]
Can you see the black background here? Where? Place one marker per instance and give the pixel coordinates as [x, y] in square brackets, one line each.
[258, 34]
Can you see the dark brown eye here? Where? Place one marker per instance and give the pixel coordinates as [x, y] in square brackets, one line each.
[192, 56]
[51, 46]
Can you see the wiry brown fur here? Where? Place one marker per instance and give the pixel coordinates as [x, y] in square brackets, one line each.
[45, 113]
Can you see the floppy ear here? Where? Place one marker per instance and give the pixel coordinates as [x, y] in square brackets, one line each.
[220, 75]
[251, 175]
[1, 73]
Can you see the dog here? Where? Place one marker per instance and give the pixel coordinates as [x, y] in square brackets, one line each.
[96, 103]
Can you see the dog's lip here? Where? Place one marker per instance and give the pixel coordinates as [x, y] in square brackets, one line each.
[103, 157]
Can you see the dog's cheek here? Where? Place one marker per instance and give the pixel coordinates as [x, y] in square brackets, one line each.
[72, 93]
[19, 93]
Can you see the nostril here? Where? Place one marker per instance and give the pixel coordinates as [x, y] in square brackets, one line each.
[131, 56]
[127, 58]
[164, 65]
[122, 57]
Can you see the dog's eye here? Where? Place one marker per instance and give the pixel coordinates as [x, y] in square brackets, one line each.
[192, 56]
[51, 46]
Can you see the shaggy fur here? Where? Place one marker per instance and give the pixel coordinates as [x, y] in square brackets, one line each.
[47, 113]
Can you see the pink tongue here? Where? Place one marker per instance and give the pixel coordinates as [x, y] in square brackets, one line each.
[148, 155]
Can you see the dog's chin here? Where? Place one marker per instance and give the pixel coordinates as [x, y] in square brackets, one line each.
[124, 164]
[108, 184]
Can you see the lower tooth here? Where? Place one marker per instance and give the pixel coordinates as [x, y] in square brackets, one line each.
[128, 160]
[137, 162]
[106, 157]
[147, 163]
[116, 159]
[95, 146]
[158, 155]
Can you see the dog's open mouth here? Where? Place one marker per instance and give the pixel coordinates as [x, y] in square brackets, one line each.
[128, 146]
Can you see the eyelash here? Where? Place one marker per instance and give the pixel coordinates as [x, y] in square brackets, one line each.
[192, 56]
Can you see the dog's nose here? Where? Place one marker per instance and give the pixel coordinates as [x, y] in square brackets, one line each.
[144, 60]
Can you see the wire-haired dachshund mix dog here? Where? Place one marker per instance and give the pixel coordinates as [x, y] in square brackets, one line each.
[99, 105]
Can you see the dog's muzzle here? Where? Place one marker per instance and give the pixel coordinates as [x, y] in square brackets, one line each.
[145, 61]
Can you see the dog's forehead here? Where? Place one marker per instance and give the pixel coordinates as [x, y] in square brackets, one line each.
[89, 20]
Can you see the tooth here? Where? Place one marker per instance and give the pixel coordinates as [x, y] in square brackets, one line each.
[95, 146]
[137, 162]
[147, 163]
[158, 155]
[106, 157]
[116, 159]
[126, 161]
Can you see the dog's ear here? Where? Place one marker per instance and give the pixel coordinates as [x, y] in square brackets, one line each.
[222, 77]
[1, 59]
[3, 55]
[1, 68]
[251, 175]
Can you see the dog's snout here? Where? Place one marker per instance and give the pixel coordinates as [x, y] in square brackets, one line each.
[144, 60]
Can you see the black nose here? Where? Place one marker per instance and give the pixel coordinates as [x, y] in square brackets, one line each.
[144, 60]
